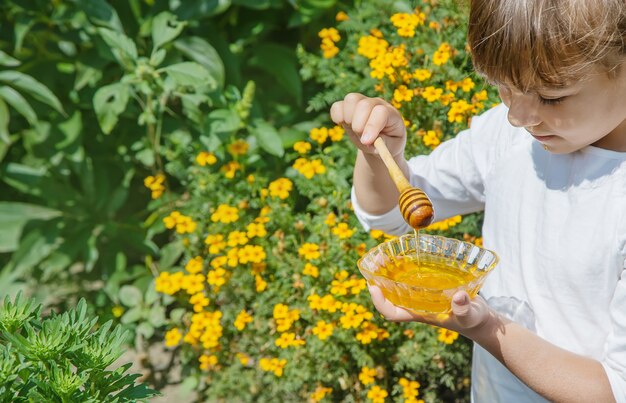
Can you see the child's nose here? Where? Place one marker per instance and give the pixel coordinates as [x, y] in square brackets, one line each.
[523, 110]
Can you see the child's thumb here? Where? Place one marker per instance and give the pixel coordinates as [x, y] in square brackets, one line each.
[461, 305]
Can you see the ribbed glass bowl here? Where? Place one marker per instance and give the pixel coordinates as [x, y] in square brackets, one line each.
[450, 265]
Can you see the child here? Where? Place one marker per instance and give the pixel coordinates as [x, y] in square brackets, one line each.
[548, 167]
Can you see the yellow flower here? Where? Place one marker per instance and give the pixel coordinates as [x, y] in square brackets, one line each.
[243, 318]
[309, 251]
[273, 365]
[215, 242]
[343, 231]
[217, 277]
[402, 93]
[260, 284]
[480, 96]
[199, 301]
[172, 337]
[409, 388]
[458, 111]
[280, 188]
[182, 223]
[256, 229]
[194, 265]
[422, 74]
[368, 333]
[330, 33]
[319, 393]
[244, 359]
[230, 169]
[225, 214]
[207, 361]
[445, 224]
[329, 50]
[193, 283]
[431, 139]
[155, 184]
[238, 147]
[431, 94]
[447, 336]
[251, 254]
[341, 16]
[372, 46]
[377, 395]
[367, 374]
[237, 238]
[319, 134]
[289, 340]
[331, 219]
[310, 270]
[336, 133]
[205, 158]
[168, 283]
[117, 311]
[442, 55]
[302, 147]
[467, 84]
[323, 330]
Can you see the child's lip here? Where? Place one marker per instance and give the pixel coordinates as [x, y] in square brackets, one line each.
[543, 138]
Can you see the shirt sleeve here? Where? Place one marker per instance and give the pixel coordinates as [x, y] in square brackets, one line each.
[453, 175]
[614, 362]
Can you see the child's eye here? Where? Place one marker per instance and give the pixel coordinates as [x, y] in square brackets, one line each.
[551, 101]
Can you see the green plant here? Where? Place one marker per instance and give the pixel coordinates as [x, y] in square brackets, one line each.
[62, 358]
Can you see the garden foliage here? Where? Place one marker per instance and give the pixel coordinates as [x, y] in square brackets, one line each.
[174, 163]
[62, 358]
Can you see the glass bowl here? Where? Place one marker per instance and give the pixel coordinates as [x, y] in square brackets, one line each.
[421, 273]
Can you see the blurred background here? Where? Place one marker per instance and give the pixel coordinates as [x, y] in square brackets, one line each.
[174, 196]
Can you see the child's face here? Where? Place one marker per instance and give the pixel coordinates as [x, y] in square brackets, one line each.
[589, 112]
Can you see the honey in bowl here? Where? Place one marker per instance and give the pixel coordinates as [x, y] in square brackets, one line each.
[422, 273]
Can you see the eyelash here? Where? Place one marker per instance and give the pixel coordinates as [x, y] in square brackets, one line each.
[551, 101]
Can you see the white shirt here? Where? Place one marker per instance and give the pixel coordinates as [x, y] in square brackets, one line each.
[558, 224]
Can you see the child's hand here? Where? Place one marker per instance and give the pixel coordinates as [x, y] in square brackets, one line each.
[467, 315]
[364, 119]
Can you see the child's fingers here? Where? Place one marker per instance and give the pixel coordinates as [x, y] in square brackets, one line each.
[377, 121]
[387, 309]
[349, 104]
[336, 112]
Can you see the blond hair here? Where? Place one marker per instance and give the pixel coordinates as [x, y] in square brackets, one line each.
[532, 44]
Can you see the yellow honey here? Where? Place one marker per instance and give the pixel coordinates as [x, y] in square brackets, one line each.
[427, 284]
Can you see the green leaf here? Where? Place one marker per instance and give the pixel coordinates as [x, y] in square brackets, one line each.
[7, 60]
[170, 254]
[255, 4]
[268, 138]
[34, 246]
[31, 86]
[200, 51]
[109, 102]
[193, 10]
[122, 47]
[222, 123]
[101, 13]
[130, 296]
[132, 315]
[191, 74]
[4, 123]
[17, 101]
[165, 27]
[279, 62]
[145, 329]
[13, 218]
[156, 317]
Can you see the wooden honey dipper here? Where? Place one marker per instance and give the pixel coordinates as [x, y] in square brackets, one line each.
[415, 206]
